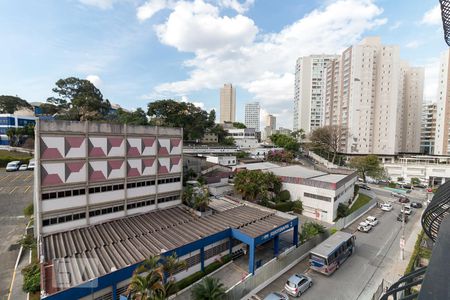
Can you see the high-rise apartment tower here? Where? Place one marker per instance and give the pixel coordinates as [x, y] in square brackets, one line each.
[227, 103]
[252, 111]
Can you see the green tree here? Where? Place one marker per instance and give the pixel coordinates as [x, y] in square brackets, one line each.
[228, 141]
[80, 100]
[310, 229]
[257, 185]
[239, 125]
[329, 139]
[28, 211]
[49, 109]
[10, 104]
[299, 135]
[368, 165]
[196, 197]
[208, 289]
[31, 278]
[191, 118]
[28, 242]
[171, 265]
[298, 207]
[342, 210]
[137, 117]
[287, 142]
[415, 181]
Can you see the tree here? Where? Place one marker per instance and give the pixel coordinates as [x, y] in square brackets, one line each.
[298, 206]
[137, 117]
[172, 264]
[28, 210]
[415, 181]
[299, 135]
[191, 118]
[17, 136]
[28, 242]
[257, 185]
[228, 141]
[31, 278]
[280, 156]
[196, 197]
[310, 229]
[329, 139]
[10, 104]
[49, 109]
[80, 100]
[342, 210]
[239, 125]
[368, 165]
[208, 289]
[287, 142]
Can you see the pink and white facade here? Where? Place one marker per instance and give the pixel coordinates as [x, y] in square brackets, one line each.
[91, 172]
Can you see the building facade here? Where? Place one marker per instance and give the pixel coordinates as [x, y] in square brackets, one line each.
[272, 122]
[377, 97]
[309, 93]
[428, 130]
[8, 121]
[442, 136]
[252, 112]
[92, 172]
[227, 103]
[244, 138]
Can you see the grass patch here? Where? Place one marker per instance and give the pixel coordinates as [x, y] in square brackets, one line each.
[360, 202]
[7, 156]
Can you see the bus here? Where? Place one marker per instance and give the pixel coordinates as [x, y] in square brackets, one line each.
[331, 253]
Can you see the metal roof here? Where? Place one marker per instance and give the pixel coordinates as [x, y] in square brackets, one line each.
[296, 171]
[329, 245]
[119, 243]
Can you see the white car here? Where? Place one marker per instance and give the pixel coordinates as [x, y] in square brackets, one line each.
[386, 207]
[407, 210]
[13, 166]
[372, 221]
[23, 167]
[31, 164]
[364, 227]
[397, 195]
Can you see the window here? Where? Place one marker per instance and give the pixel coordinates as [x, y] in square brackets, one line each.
[63, 194]
[63, 219]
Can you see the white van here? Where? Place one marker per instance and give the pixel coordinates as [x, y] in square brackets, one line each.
[13, 166]
[31, 164]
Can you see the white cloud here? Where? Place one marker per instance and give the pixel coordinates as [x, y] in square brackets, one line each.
[236, 5]
[94, 79]
[102, 4]
[413, 44]
[149, 8]
[432, 16]
[229, 49]
[198, 104]
[395, 25]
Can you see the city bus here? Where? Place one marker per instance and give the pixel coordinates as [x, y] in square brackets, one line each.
[331, 253]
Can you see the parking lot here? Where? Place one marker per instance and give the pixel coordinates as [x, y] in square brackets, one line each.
[16, 190]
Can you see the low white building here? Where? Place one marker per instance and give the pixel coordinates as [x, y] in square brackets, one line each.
[228, 160]
[262, 152]
[320, 192]
[244, 138]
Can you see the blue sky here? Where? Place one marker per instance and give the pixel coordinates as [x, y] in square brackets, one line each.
[139, 51]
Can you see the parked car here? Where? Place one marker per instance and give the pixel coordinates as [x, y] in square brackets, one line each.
[31, 164]
[407, 186]
[13, 166]
[403, 199]
[416, 205]
[386, 206]
[420, 186]
[397, 195]
[372, 221]
[364, 227]
[297, 284]
[406, 210]
[277, 296]
[23, 167]
[364, 186]
[400, 217]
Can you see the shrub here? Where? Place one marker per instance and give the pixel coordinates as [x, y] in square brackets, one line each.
[342, 210]
[28, 242]
[283, 206]
[333, 231]
[392, 185]
[356, 190]
[298, 207]
[311, 229]
[283, 196]
[31, 278]
[28, 210]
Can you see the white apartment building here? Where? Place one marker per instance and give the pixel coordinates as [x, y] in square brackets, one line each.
[244, 138]
[428, 131]
[442, 137]
[309, 93]
[252, 118]
[227, 103]
[377, 97]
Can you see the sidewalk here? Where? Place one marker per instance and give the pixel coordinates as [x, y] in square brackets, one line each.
[17, 292]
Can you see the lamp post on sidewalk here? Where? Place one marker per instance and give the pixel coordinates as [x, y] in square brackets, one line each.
[402, 239]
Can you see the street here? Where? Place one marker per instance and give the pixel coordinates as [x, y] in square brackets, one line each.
[375, 255]
[16, 190]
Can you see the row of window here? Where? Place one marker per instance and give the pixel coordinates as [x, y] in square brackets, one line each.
[106, 188]
[105, 210]
[319, 197]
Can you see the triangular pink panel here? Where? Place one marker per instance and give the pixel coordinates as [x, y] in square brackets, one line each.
[175, 160]
[97, 176]
[148, 162]
[163, 151]
[133, 151]
[133, 172]
[97, 152]
[163, 170]
[51, 179]
[148, 142]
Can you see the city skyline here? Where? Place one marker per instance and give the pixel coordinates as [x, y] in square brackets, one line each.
[142, 58]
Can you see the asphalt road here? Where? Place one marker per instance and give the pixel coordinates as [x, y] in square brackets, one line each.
[375, 254]
[15, 194]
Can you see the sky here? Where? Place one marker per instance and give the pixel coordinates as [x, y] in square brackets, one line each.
[138, 51]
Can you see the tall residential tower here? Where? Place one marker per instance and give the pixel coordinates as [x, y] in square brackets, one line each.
[227, 103]
[442, 137]
[252, 111]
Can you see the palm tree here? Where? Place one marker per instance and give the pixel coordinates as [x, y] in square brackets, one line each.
[209, 289]
[172, 264]
[146, 287]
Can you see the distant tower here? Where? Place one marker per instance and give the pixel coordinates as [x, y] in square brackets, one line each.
[227, 103]
[272, 122]
[252, 115]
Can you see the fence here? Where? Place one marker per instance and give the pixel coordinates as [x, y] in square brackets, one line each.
[273, 269]
[348, 220]
[382, 288]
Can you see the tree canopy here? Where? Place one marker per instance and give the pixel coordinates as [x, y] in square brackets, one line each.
[285, 141]
[239, 125]
[209, 288]
[9, 104]
[328, 138]
[368, 165]
[137, 117]
[80, 100]
[191, 118]
[257, 185]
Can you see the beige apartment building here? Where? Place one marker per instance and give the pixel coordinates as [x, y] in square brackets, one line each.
[227, 103]
[375, 95]
[428, 131]
[442, 139]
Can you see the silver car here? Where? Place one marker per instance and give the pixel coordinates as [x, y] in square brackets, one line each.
[276, 296]
[297, 284]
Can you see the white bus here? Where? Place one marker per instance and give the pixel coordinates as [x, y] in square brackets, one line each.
[331, 253]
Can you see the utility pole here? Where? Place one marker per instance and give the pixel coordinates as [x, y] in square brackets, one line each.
[402, 239]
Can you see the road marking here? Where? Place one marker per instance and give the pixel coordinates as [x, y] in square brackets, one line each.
[9, 175]
[1, 188]
[12, 191]
[28, 177]
[26, 190]
[12, 283]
